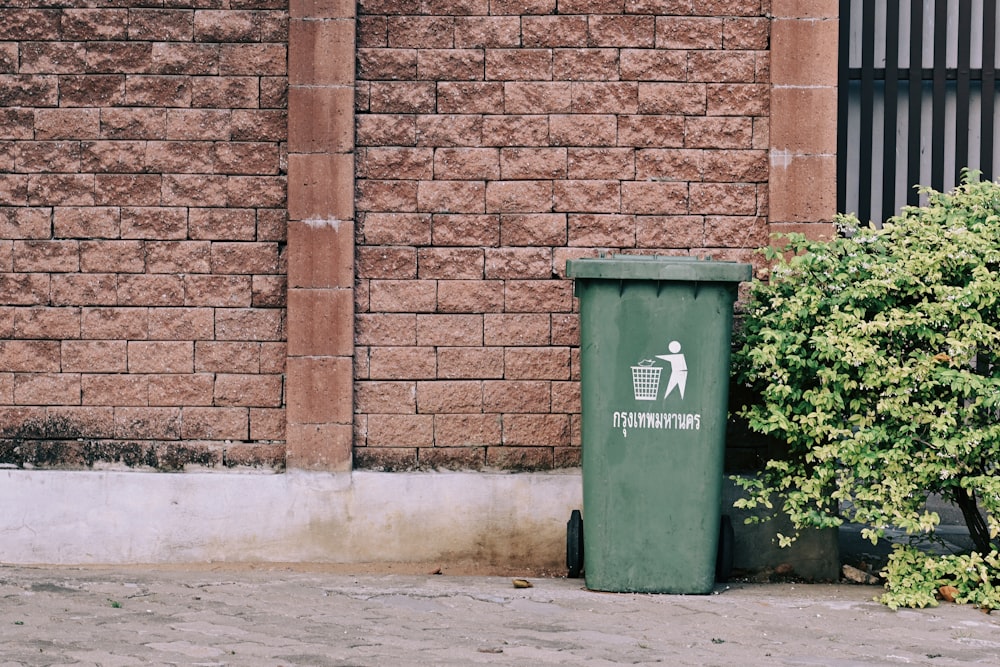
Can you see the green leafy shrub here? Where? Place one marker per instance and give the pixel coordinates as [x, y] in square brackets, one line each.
[916, 579]
[876, 356]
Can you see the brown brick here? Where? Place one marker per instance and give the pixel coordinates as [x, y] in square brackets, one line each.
[221, 291]
[262, 191]
[451, 458]
[79, 422]
[387, 262]
[370, 129]
[73, 222]
[244, 257]
[184, 58]
[465, 230]
[260, 124]
[517, 396]
[670, 231]
[148, 423]
[225, 92]
[164, 25]
[92, 24]
[533, 229]
[133, 123]
[90, 289]
[13, 190]
[25, 223]
[407, 296]
[718, 132]
[397, 228]
[248, 390]
[128, 189]
[421, 32]
[215, 423]
[24, 289]
[460, 97]
[403, 363]
[17, 124]
[385, 397]
[400, 430]
[148, 290]
[532, 163]
[386, 329]
[403, 97]
[461, 430]
[160, 357]
[115, 390]
[385, 459]
[267, 424]
[450, 263]
[723, 198]
[533, 97]
[519, 196]
[587, 196]
[654, 198]
[518, 263]
[153, 223]
[672, 98]
[450, 396]
[196, 190]
[47, 389]
[583, 130]
[93, 356]
[46, 256]
[537, 363]
[469, 363]
[252, 59]
[488, 31]
[114, 323]
[515, 129]
[29, 356]
[321, 254]
[184, 389]
[225, 357]
[517, 329]
[451, 330]
[259, 324]
[536, 430]
[520, 458]
[92, 90]
[661, 164]
[451, 196]
[450, 64]
[566, 397]
[470, 296]
[181, 323]
[60, 189]
[269, 291]
[602, 230]
[42, 323]
[178, 256]
[534, 296]
[222, 224]
[585, 65]
[246, 157]
[46, 156]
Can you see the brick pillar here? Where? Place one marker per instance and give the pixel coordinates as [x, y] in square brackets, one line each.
[803, 137]
[319, 390]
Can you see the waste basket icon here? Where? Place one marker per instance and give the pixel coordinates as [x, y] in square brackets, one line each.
[655, 338]
[646, 380]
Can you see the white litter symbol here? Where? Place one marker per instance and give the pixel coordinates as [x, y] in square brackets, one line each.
[646, 380]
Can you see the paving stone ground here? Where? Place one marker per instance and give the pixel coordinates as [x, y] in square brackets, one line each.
[293, 616]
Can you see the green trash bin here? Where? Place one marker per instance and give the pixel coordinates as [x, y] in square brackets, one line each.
[654, 362]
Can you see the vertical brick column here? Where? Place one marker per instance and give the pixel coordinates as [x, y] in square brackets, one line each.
[320, 234]
[803, 172]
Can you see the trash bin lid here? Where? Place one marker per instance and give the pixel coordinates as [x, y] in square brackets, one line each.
[655, 267]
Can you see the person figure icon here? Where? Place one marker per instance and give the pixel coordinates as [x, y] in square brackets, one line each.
[678, 368]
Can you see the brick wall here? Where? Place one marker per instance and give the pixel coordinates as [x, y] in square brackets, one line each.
[495, 140]
[142, 228]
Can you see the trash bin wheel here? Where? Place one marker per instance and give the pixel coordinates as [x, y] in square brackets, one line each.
[574, 544]
[724, 559]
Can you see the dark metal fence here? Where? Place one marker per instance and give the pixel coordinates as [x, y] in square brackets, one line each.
[918, 89]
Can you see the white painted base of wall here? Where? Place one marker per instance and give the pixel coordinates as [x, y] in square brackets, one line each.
[488, 521]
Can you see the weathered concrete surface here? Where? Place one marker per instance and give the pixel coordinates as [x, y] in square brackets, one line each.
[489, 521]
[486, 523]
[279, 616]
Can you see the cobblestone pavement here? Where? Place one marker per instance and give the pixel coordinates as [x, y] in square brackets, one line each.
[283, 616]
